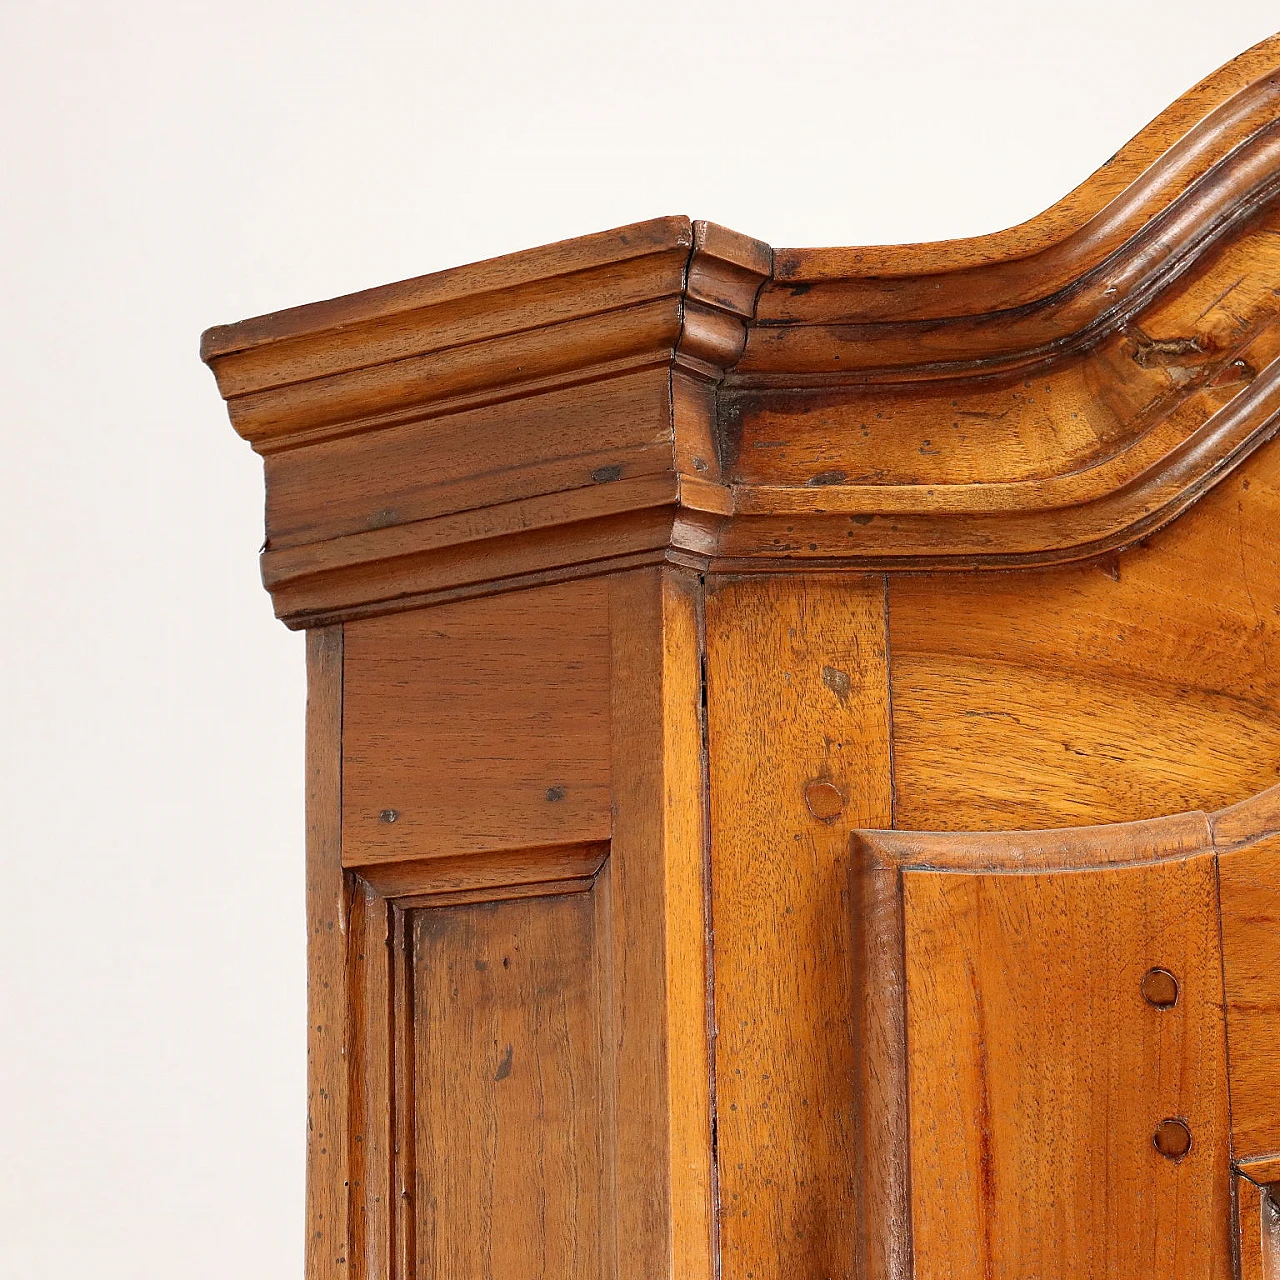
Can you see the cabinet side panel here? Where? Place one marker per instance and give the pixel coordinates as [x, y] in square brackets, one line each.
[1039, 1075]
[508, 1097]
[1110, 691]
[798, 724]
[1250, 953]
[478, 726]
[328, 1242]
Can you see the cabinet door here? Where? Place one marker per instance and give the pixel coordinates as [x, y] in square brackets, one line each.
[1044, 1074]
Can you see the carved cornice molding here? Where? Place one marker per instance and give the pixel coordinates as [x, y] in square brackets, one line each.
[659, 291]
[675, 390]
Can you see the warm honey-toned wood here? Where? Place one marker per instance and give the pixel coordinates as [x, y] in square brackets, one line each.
[658, 879]
[1039, 1075]
[1251, 970]
[598, 1151]
[882, 1086]
[1172, 152]
[478, 726]
[793, 740]
[478, 875]
[1096, 693]
[796, 692]
[479, 410]
[1043, 395]
[1084, 435]
[378, 1171]
[328, 1242]
[1264, 1171]
[508, 1048]
[1259, 1232]
[565, 439]
[1250, 819]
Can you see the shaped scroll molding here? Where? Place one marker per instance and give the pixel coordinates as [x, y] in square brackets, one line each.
[1067, 1038]
[1043, 394]
[674, 391]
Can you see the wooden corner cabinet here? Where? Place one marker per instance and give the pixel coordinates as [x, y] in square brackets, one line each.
[793, 741]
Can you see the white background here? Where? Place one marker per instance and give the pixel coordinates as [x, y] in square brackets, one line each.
[172, 165]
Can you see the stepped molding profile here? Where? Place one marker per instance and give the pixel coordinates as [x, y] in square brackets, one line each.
[674, 391]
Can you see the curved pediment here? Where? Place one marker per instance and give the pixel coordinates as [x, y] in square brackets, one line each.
[1193, 166]
[672, 389]
[977, 955]
[1045, 393]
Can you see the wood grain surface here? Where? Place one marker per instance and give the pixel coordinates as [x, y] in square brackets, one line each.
[881, 1087]
[1039, 1074]
[1258, 1223]
[376, 1164]
[570, 438]
[660, 922]
[793, 767]
[508, 1089]
[1045, 395]
[1264, 1171]
[796, 696]
[481, 726]
[1250, 950]
[1101, 693]
[328, 1238]
[1138, 368]
[1163, 159]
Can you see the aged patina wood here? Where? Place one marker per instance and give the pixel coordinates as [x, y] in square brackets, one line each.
[793, 740]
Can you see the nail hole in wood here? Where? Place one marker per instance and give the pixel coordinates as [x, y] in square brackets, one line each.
[1160, 988]
[824, 801]
[1172, 1139]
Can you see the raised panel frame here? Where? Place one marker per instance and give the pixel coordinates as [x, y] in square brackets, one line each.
[649, 880]
[1240, 838]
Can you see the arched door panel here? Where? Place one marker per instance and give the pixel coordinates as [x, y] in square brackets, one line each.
[1070, 1048]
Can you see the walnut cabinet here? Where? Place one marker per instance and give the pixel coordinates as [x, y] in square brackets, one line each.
[793, 738]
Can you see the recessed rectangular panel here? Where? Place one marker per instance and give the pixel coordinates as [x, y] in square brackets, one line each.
[510, 1096]
[1040, 1075]
[477, 726]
